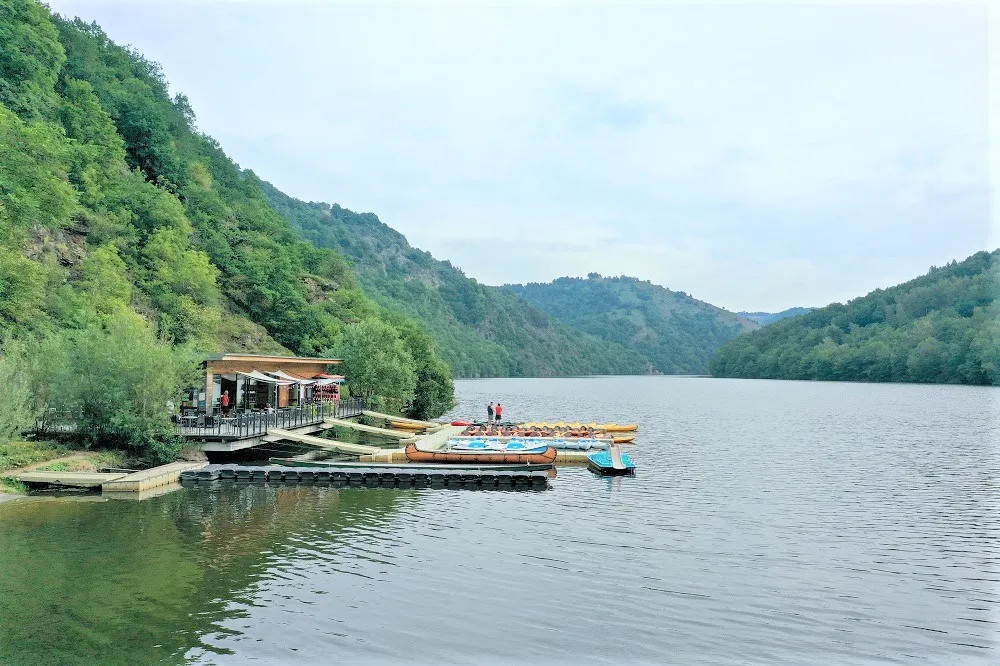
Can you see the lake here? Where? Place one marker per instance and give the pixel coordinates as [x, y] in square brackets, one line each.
[769, 522]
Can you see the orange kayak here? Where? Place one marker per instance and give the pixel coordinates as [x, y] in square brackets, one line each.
[547, 457]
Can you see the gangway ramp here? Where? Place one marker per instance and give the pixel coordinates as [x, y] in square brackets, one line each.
[276, 434]
[371, 430]
[430, 425]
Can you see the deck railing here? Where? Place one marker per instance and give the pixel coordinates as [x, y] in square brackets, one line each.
[232, 425]
[242, 425]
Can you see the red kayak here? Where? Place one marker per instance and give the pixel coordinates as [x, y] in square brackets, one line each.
[461, 423]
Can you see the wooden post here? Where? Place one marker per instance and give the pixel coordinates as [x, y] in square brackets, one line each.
[209, 388]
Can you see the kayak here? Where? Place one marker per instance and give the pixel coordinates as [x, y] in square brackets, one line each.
[404, 425]
[537, 456]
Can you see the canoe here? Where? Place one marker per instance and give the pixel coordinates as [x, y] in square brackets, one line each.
[413, 467]
[544, 456]
[461, 423]
[403, 425]
[611, 463]
[624, 439]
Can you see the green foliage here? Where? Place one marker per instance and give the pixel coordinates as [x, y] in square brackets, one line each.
[30, 58]
[434, 394]
[17, 412]
[674, 331]
[943, 327]
[21, 293]
[379, 367]
[34, 180]
[115, 380]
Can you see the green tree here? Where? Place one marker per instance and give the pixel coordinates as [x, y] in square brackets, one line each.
[379, 367]
[115, 379]
[16, 409]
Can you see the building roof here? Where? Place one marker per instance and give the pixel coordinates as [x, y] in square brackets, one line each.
[276, 359]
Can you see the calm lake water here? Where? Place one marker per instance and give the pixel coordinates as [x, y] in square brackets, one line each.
[770, 522]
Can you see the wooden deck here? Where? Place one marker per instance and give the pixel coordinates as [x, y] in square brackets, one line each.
[69, 479]
[150, 478]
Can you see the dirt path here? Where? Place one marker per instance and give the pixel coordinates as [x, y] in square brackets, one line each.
[78, 455]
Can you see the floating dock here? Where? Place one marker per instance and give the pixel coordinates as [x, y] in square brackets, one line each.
[148, 479]
[69, 479]
[382, 476]
[115, 482]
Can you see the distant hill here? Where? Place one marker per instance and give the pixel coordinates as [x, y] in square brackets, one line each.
[481, 331]
[765, 318]
[943, 327]
[676, 333]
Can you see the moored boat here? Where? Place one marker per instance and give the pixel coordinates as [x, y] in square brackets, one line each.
[611, 462]
[539, 456]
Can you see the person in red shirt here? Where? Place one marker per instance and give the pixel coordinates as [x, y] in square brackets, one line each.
[499, 411]
[225, 402]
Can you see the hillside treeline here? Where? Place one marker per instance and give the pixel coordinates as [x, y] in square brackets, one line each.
[943, 327]
[117, 215]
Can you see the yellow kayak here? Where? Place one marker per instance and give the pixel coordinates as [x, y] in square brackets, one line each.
[624, 439]
[403, 425]
[562, 425]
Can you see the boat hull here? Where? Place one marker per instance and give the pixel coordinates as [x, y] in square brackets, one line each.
[601, 463]
[451, 457]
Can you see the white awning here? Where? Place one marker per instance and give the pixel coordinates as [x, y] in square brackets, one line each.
[293, 380]
[261, 377]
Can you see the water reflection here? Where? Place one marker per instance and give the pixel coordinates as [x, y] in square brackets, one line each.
[105, 581]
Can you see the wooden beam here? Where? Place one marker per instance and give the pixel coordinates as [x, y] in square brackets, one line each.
[322, 443]
[401, 419]
[372, 430]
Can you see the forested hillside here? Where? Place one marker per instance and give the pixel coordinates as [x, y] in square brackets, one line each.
[765, 318]
[942, 327]
[675, 332]
[481, 331]
[121, 224]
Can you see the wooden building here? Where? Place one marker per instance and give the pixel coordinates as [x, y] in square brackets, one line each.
[255, 381]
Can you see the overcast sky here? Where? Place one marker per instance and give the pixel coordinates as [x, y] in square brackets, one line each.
[758, 157]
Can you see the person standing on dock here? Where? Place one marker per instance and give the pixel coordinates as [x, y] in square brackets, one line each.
[499, 411]
[225, 403]
[489, 413]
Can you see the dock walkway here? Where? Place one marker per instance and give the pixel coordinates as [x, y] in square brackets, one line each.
[371, 430]
[383, 476]
[275, 435]
[402, 419]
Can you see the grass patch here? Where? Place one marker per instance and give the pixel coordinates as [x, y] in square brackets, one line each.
[92, 461]
[12, 486]
[20, 454]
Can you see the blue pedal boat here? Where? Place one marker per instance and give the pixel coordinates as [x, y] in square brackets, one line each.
[611, 462]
